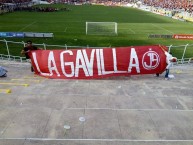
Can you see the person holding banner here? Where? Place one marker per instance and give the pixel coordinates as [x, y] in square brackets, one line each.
[25, 51]
[169, 60]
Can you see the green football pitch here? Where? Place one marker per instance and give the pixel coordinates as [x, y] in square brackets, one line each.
[68, 27]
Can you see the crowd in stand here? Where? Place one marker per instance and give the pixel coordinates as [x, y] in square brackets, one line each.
[14, 1]
[184, 5]
[43, 9]
[12, 5]
[24, 5]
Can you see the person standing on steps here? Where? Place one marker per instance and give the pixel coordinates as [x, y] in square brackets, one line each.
[25, 51]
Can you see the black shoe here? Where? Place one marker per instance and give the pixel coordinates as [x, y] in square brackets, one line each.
[32, 69]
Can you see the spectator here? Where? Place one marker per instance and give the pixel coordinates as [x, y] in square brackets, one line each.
[25, 51]
[169, 60]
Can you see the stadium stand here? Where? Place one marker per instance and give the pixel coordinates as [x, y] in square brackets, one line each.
[12, 5]
[22, 5]
[171, 4]
[181, 10]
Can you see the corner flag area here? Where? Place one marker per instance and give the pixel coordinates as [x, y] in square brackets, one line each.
[135, 110]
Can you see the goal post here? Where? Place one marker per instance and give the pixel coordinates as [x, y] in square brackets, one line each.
[101, 28]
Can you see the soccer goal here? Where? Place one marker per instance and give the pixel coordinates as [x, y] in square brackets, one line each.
[101, 28]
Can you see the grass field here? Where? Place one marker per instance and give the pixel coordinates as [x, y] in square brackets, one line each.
[134, 27]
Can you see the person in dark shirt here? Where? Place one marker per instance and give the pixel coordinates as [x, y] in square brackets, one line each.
[25, 51]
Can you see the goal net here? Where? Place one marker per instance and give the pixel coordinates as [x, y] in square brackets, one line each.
[101, 28]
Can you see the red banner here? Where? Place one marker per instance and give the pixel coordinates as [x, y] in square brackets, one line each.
[99, 63]
[183, 36]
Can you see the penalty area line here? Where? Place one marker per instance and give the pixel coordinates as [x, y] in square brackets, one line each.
[27, 26]
[162, 28]
[132, 31]
[65, 29]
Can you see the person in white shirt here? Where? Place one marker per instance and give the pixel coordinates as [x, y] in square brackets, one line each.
[169, 61]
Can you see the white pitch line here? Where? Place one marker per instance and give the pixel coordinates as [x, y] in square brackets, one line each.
[162, 28]
[65, 29]
[28, 25]
[109, 140]
[132, 31]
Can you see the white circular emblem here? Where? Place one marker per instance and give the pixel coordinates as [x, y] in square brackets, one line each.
[150, 60]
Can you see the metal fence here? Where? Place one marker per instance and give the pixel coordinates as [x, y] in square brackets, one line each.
[186, 51]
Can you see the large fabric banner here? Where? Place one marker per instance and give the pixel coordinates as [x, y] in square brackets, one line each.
[99, 63]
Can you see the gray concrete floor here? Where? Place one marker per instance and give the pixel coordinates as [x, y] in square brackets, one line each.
[136, 110]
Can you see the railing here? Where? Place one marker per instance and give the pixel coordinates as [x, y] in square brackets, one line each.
[12, 58]
[8, 55]
[186, 51]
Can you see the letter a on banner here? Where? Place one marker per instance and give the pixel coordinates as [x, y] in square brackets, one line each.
[133, 58]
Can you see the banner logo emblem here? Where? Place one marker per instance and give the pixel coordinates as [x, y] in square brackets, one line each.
[150, 60]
